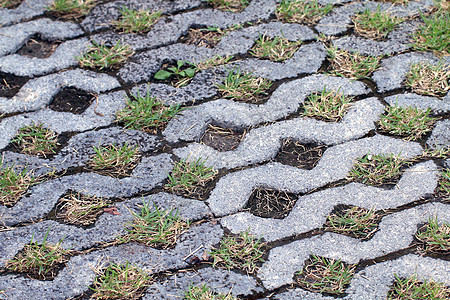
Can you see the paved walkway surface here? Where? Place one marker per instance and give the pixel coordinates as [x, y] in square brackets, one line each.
[256, 148]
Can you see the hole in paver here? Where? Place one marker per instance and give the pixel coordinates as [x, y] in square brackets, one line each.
[356, 222]
[10, 84]
[296, 154]
[222, 139]
[207, 37]
[412, 288]
[433, 239]
[72, 100]
[36, 47]
[271, 203]
[325, 275]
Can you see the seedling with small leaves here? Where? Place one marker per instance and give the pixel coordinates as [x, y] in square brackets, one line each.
[71, 9]
[114, 160]
[275, 49]
[435, 236]
[355, 221]
[375, 24]
[102, 56]
[147, 113]
[14, 184]
[155, 227]
[229, 5]
[427, 79]
[243, 86]
[412, 289]
[378, 169]
[136, 21]
[299, 11]
[434, 35]
[410, 123]
[182, 72]
[36, 140]
[325, 275]
[352, 65]
[120, 281]
[203, 292]
[328, 106]
[39, 260]
[242, 252]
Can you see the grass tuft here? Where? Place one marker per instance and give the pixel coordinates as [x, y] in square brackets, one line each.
[275, 49]
[378, 169]
[355, 221]
[120, 281]
[103, 57]
[147, 113]
[352, 65]
[229, 5]
[71, 9]
[136, 21]
[203, 292]
[444, 185]
[435, 236]
[14, 184]
[36, 140]
[412, 289]
[299, 11]
[375, 25]
[430, 80]
[155, 227]
[409, 123]
[242, 252]
[434, 35]
[215, 61]
[242, 86]
[328, 106]
[325, 275]
[113, 160]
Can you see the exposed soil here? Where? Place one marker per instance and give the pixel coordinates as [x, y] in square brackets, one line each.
[72, 100]
[10, 84]
[201, 37]
[36, 47]
[296, 154]
[271, 203]
[222, 139]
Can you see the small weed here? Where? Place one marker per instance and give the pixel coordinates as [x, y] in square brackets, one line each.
[434, 34]
[136, 21]
[36, 140]
[71, 9]
[242, 252]
[243, 86]
[155, 227]
[444, 184]
[215, 61]
[435, 236]
[275, 49]
[9, 3]
[378, 169]
[147, 113]
[186, 175]
[431, 80]
[325, 275]
[120, 281]
[114, 160]
[328, 106]
[355, 221]
[41, 261]
[410, 123]
[412, 289]
[13, 185]
[229, 5]
[352, 65]
[81, 210]
[182, 72]
[299, 11]
[102, 57]
[375, 25]
[203, 292]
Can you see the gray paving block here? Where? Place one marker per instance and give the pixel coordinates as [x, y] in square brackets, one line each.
[418, 101]
[440, 136]
[26, 10]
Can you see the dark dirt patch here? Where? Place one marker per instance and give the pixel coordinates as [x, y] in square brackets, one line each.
[10, 84]
[72, 100]
[222, 139]
[271, 203]
[296, 154]
[36, 47]
[203, 37]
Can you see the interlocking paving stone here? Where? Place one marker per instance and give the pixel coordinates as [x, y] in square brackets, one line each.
[409, 203]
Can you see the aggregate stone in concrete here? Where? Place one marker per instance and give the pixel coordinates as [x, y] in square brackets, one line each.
[38, 93]
[419, 101]
[440, 136]
[233, 190]
[311, 211]
[263, 143]
[396, 232]
[220, 281]
[285, 100]
[26, 10]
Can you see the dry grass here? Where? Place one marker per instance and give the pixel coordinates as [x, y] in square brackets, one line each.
[352, 65]
[14, 184]
[229, 5]
[71, 9]
[330, 106]
[215, 61]
[275, 49]
[427, 79]
[205, 37]
[203, 292]
[412, 288]
[271, 203]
